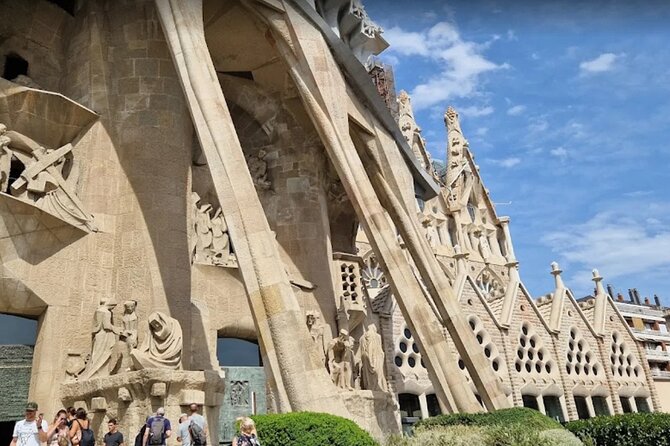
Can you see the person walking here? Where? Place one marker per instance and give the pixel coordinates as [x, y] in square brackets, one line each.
[248, 435]
[58, 433]
[158, 429]
[197, 426]
[32, 430]
[183, 433]
[113, 437]
[81, 433]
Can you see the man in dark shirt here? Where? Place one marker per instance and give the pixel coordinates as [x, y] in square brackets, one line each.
[113, 437]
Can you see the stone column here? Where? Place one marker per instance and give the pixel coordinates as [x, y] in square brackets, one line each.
[423, 404]
[300, 379]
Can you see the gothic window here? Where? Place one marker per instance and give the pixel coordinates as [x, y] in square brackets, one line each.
[623, 362]
[372, 275]
[532, 356]
[580, 359]
[490, 286]
[407, 351]
[485, 341]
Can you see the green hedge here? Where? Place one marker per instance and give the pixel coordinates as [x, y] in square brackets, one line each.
[309, 429]
[532, 419]
[631, 429]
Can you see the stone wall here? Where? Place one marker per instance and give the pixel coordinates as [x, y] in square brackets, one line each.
[15, 365]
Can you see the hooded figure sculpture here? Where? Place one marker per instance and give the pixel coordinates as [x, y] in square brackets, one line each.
[161, 346]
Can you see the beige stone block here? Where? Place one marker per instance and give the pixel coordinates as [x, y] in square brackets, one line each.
[124, 395]
[189, 396]
[158, 389]
[98, 404]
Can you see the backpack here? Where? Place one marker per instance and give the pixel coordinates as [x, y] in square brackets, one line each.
[87, 435]
[197, 434]
[156, 431]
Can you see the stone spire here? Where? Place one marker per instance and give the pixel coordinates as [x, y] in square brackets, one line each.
[559, 298]
[411, 130]
[600, 305]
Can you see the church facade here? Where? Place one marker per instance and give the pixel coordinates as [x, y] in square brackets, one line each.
[174, 172]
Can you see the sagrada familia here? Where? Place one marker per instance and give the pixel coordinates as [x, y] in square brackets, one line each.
[176, 171]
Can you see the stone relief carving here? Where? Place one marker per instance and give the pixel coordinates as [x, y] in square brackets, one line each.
[121, 360]
[130, 322]
[104, 339]
[341, 360]
[162, 344]
[75, 364]
[258, 168]
[489, 285]
[239, 393]
[47, 180]
[372, 358]
[372, 275]
[316, 331]
[210, 241]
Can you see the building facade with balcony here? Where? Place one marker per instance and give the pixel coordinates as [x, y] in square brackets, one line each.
[647, 320]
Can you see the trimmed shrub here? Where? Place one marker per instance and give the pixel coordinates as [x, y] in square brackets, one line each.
[631, 429]
[310, 429]
[529, 418]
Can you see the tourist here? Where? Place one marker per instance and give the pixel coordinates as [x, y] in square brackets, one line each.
[139, 438]
[58, 434]
[32, 430]
[248, 435]
[80, 432]
[183, 434]
[113, 437]
[197, 426]
[158, 429]
[71, 412]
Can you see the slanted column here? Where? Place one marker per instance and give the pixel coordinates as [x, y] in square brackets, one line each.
[293, 366]
[559, 298]
[600, 304]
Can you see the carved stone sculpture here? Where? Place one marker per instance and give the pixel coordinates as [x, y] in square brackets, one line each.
[239, 393]
[210, 241]
[161, 346]
[372, 357]
[121, 360]
[104, 339]
[48, 180]
[316, 331]
[258, 168]
[484, 247]
[341, 360]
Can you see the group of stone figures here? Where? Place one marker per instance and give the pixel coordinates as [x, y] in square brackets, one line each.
[43, 177]
[117, 349]
[339, 358]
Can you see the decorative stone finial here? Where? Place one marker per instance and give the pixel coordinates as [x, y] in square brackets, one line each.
[451, 120]
[556, 272]
[596, 276]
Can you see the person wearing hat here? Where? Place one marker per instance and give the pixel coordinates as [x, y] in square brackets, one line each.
[31, 431]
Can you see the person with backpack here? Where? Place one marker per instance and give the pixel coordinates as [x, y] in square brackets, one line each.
[81, 433]
[183, 435]
[158, 429]
[248, 435]
[197, 427]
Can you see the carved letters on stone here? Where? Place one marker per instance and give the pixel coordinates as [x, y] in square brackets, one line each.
[47, 180]
[239, 393]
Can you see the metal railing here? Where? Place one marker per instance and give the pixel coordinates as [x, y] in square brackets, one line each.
[663, 373]
[658, 353]
[637, 309]
[648, 331]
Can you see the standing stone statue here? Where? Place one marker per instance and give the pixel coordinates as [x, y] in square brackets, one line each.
[104, 338]
[161, 346]
[130, 322]
[121, 360]
[372, 356]
[341, 360]
[203, 233]
[220, 239]
[316, 332]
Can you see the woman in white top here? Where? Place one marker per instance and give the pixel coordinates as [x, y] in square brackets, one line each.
[58, 432]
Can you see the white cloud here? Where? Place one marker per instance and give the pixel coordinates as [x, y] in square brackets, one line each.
[559, 152]
[617, 244]
[506, 162]
[604, 62]
[475, 112]
[516, 110]
[482, 131]
[461, 62]
[511, 35]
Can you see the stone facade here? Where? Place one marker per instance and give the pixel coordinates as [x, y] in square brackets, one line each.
[174, 172]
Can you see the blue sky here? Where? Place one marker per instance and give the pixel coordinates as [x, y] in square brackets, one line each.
[567, 109]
